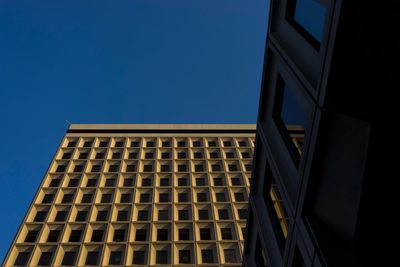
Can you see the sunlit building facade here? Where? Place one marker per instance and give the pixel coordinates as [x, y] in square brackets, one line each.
[141, 195]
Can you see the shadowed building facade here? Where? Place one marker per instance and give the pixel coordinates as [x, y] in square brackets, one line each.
[141, 195]
[321, 194]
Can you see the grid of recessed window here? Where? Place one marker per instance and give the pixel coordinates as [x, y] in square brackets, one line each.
[139, 201]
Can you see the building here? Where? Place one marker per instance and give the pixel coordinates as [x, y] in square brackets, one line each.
[323, 191]
[141, 195]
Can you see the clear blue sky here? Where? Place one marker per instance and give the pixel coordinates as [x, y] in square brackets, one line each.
[187, 61]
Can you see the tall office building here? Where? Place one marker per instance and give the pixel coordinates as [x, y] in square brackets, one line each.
[137, 195]
[323, 191]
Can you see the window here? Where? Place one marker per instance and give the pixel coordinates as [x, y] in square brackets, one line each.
[66, 155]
[227, 143]
[163, 215]
[125, 198]
[119, 144]
[166, 144]
[212, 143]
[78, 168]
[223, 214]
[242, 214]
[138, 257]
[165, 155]
[308, 16]
[203, 214]
[61, 216]
[116, 155]
[196, 143]
[106, 198]
[103, 144]
[207, 256]
[102, 215]
[162, 234]
[132, 155]
[113, 168]
[87, 144]
[40, 216]
[289, 111]
[31, 236]
[92, 258]
[53, 236]
[233, 167]
[91, 182]
[81, 216]
[243, 229]
[97, 235]
[71, 143]
[226, 233]
[236, 181]
[130, 168]
[161, 257]
[198, 168]
[249, 167]
[141, 235]
[75, 236]
[87, 198]
[83, 155]
[129, 182]
[218, 182]
[230, 155]
[163, 197]
[164, 182]
[67, 198]
[69, 258]
[146, 182]
[214, 155]
[184, 256]
[149, 155]
[239, 196]
[201, 197]
[181, 155]
[119, 235]
[55, 182]
[183, 197]
[184, 234]
[134, 144]
[122, 215]
[61, 168]
[148, 168]
[198, 155]
[48, 198]
[110, 182]
[246, 155]
[220, 197]
[200, 181]
[96, 168]
[181, 143]
[230, 255]
[183, 215]
[182, 182]
[142, 215]
[216, 167]
[150, 144]
[73, 182]
[205, 234]
[99, 155]
[242, 143]
[165, 168]
[45, 258]
[22, 258]
[182, 168]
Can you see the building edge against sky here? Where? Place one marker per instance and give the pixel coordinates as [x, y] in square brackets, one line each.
[338, 192]
[145, 194]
